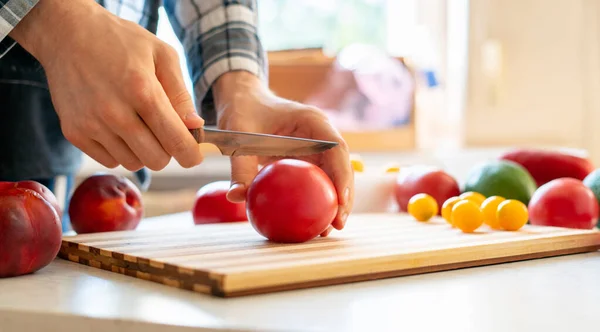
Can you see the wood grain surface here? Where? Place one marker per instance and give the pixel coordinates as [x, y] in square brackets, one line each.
[229, 260]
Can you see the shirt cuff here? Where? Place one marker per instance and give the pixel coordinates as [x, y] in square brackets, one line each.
[224, 40]
[11, 13]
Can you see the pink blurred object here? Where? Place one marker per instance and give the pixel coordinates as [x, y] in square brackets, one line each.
[366, 90]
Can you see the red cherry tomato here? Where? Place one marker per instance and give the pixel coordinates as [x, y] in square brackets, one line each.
[564, 202]
[427, 180]
[212, 206]
[291, 201]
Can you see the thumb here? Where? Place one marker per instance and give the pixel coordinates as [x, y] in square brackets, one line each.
[243, 171]
[169, 74]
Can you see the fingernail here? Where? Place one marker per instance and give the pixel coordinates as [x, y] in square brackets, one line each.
[327, 231]
[233, 195]
[192, 116]
[346, 196]
[236, 185]
[343, 218]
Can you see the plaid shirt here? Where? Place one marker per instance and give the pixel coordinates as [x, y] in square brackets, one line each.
[217, 35]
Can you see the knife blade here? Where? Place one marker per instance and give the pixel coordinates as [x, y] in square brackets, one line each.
[237, 143]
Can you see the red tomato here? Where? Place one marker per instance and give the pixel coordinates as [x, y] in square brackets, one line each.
[30, 232]
[425, 180]
[291, 201]
[545, 166]
[38, 188]
[565, 202]
[212, 206]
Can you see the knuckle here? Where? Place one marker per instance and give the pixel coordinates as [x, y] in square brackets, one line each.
[110, 164]
[140, 86]
[91, 127]
[159, 164]
[182, 100]
[71, 133]
[315, 113]
[132, 165]
[169, 52]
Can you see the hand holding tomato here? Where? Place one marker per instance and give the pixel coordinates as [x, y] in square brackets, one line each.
[244, 103]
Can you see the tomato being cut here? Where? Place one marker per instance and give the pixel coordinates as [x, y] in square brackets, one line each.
[291, 201]
[211, 205]
[564, 202]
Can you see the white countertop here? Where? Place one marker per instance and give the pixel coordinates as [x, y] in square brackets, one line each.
[553, 294]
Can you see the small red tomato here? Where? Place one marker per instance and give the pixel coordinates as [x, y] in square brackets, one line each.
[291, 201]
[38, 188]
[425, 180]
[30, 232]
[564, 202]
[212, 206]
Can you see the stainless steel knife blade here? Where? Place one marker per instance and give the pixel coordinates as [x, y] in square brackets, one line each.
[236, 143]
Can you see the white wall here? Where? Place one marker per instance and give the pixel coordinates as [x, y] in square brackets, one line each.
[543, 91]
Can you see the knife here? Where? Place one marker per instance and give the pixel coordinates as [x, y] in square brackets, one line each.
[237, 143]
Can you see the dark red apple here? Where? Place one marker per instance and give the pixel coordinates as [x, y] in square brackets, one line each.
[38, 188]
[105, 203]
[30, 231]
[211, 205]
[425, 180]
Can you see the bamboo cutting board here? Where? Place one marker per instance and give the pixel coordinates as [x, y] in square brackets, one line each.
[232, 259]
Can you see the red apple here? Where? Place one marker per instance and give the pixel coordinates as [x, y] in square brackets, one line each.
[38, 188]
[212, 206]
[30, 231]
[105, 203]
[564, 202]
[425, 180]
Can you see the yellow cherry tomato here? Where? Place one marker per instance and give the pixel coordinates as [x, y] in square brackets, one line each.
[474, 197]
[357, 163]
[392, 168]
[447, 208]
[467, 216]
[512, 215]
[422, 207]
[489, 207]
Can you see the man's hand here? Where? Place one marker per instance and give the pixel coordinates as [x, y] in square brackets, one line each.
[245, 104]
[118, 90]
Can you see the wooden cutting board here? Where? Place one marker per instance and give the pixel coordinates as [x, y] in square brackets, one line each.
[232, 259]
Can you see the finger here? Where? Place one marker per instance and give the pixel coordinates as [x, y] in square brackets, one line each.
[142, 142]
[243, 171]
[97, 152]
[117, 148]
[336, 163]
[154, 107]
[170, 77]
[327, 231]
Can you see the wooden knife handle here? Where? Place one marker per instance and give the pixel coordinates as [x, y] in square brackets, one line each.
[198, 135]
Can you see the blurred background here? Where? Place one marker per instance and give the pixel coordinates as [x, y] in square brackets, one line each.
[446, 82]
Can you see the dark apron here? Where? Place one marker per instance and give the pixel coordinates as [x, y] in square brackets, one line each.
[32, 146]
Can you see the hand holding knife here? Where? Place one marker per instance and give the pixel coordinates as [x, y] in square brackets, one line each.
[236, 143]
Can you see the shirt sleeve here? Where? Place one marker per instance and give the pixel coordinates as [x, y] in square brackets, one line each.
[218, 36]
[11, 13]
